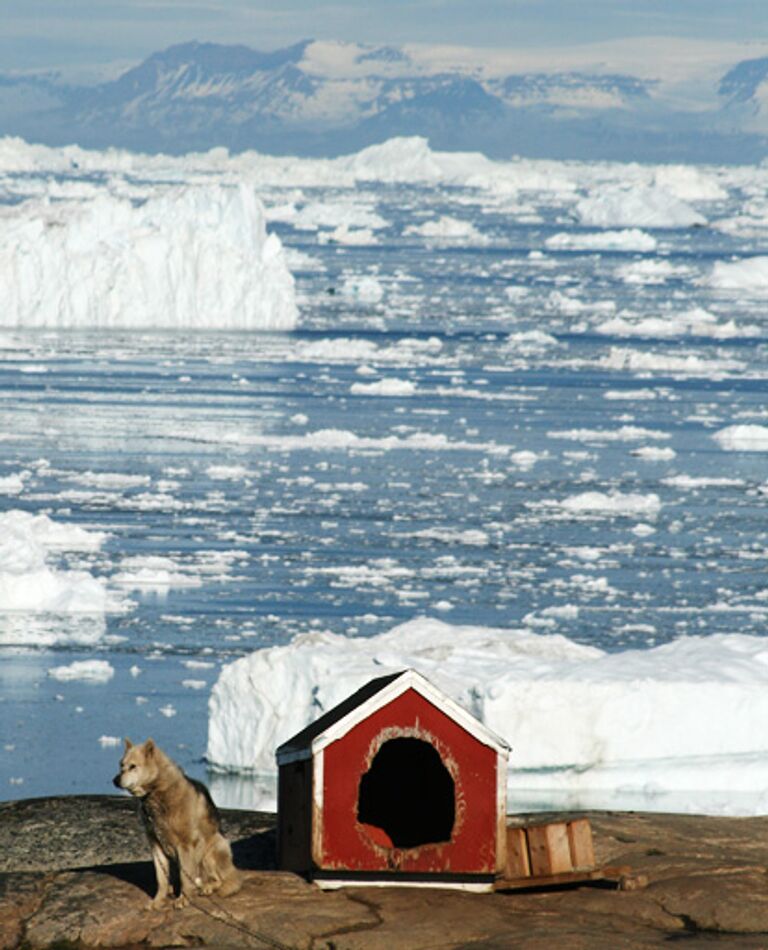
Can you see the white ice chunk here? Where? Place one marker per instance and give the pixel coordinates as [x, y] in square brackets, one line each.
[749, 275]
[89, 671]
[30, 582]
[366, 288]
[631, 239]
[743, 438]
[12, 484]
[448, 228]
[689, 183]
[597, 504]
[109, 742]
[635, 206]
[384, 387]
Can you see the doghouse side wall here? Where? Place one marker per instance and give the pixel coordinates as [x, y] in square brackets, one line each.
[294, 816]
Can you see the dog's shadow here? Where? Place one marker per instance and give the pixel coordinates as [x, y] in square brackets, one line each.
[256, 852]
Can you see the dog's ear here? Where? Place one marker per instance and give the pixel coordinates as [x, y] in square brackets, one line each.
[149, 746]
[128, 744]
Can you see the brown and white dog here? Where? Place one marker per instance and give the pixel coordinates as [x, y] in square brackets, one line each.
[182, 824]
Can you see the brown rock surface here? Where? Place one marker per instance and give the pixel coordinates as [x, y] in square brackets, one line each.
[74, 872]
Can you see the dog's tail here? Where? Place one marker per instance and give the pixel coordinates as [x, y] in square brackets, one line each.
[231, 883]
[220, 869]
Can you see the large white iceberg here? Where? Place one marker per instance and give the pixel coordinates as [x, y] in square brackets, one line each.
[192, 256]
[576, 717]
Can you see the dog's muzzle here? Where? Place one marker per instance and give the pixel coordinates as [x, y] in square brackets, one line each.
[116, 782]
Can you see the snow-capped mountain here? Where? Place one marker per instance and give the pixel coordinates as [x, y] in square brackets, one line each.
[745, 92]
[329, 97]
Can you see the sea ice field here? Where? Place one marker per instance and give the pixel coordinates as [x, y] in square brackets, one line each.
[270, 427]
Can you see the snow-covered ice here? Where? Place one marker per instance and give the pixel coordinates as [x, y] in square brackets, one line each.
[575, 716]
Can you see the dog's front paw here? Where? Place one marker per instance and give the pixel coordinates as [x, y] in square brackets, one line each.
[181, 902]
[160, 902]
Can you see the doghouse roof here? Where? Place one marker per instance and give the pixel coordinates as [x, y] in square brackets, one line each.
[373, 696]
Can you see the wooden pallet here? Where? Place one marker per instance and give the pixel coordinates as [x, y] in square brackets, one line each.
[556, 854]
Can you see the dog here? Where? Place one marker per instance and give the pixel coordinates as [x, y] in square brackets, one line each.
[182, 825]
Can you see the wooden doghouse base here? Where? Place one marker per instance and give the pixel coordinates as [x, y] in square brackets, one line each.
[555, 854]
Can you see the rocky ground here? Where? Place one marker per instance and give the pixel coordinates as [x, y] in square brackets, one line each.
[74, 873]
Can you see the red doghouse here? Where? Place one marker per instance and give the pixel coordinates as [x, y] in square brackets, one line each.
[399, 784]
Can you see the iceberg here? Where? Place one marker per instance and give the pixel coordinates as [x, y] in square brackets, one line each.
[34, 589]
[577, 717]
[188, 256]
[617, 206]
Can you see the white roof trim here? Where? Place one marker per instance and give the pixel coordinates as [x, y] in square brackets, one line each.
[410, 679]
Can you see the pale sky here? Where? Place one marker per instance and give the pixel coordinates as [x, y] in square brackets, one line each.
[38, 34]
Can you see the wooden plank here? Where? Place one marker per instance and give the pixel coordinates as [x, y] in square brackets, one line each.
[518, 863]
[550, 880]
[580, 841]
[620, 875]
[549, 848]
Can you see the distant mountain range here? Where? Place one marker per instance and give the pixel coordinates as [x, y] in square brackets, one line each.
[326, 98]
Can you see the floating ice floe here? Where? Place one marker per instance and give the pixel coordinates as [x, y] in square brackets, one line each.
[631, 239]
[384, 387]
[12, 484]
[743, 438]
[622, 434]
[647, 364]
[342, 440]
[692, 482]
[109, 480]
[693, 322]
[596, 504]
[30, 580]
[87, 671]
[447, 228]
[651, 271]
[343, 234]
[635, 206]
[695, 710]
[749, 275]
[366, 289]
[689, 183]
[153, 572]
[109, 742]
[187, 257]
[653, 453]
[317, 214]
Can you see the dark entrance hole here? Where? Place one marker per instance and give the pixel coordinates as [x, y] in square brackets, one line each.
[408, 793]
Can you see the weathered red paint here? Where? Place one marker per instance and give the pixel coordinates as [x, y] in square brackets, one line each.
[342, 843]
